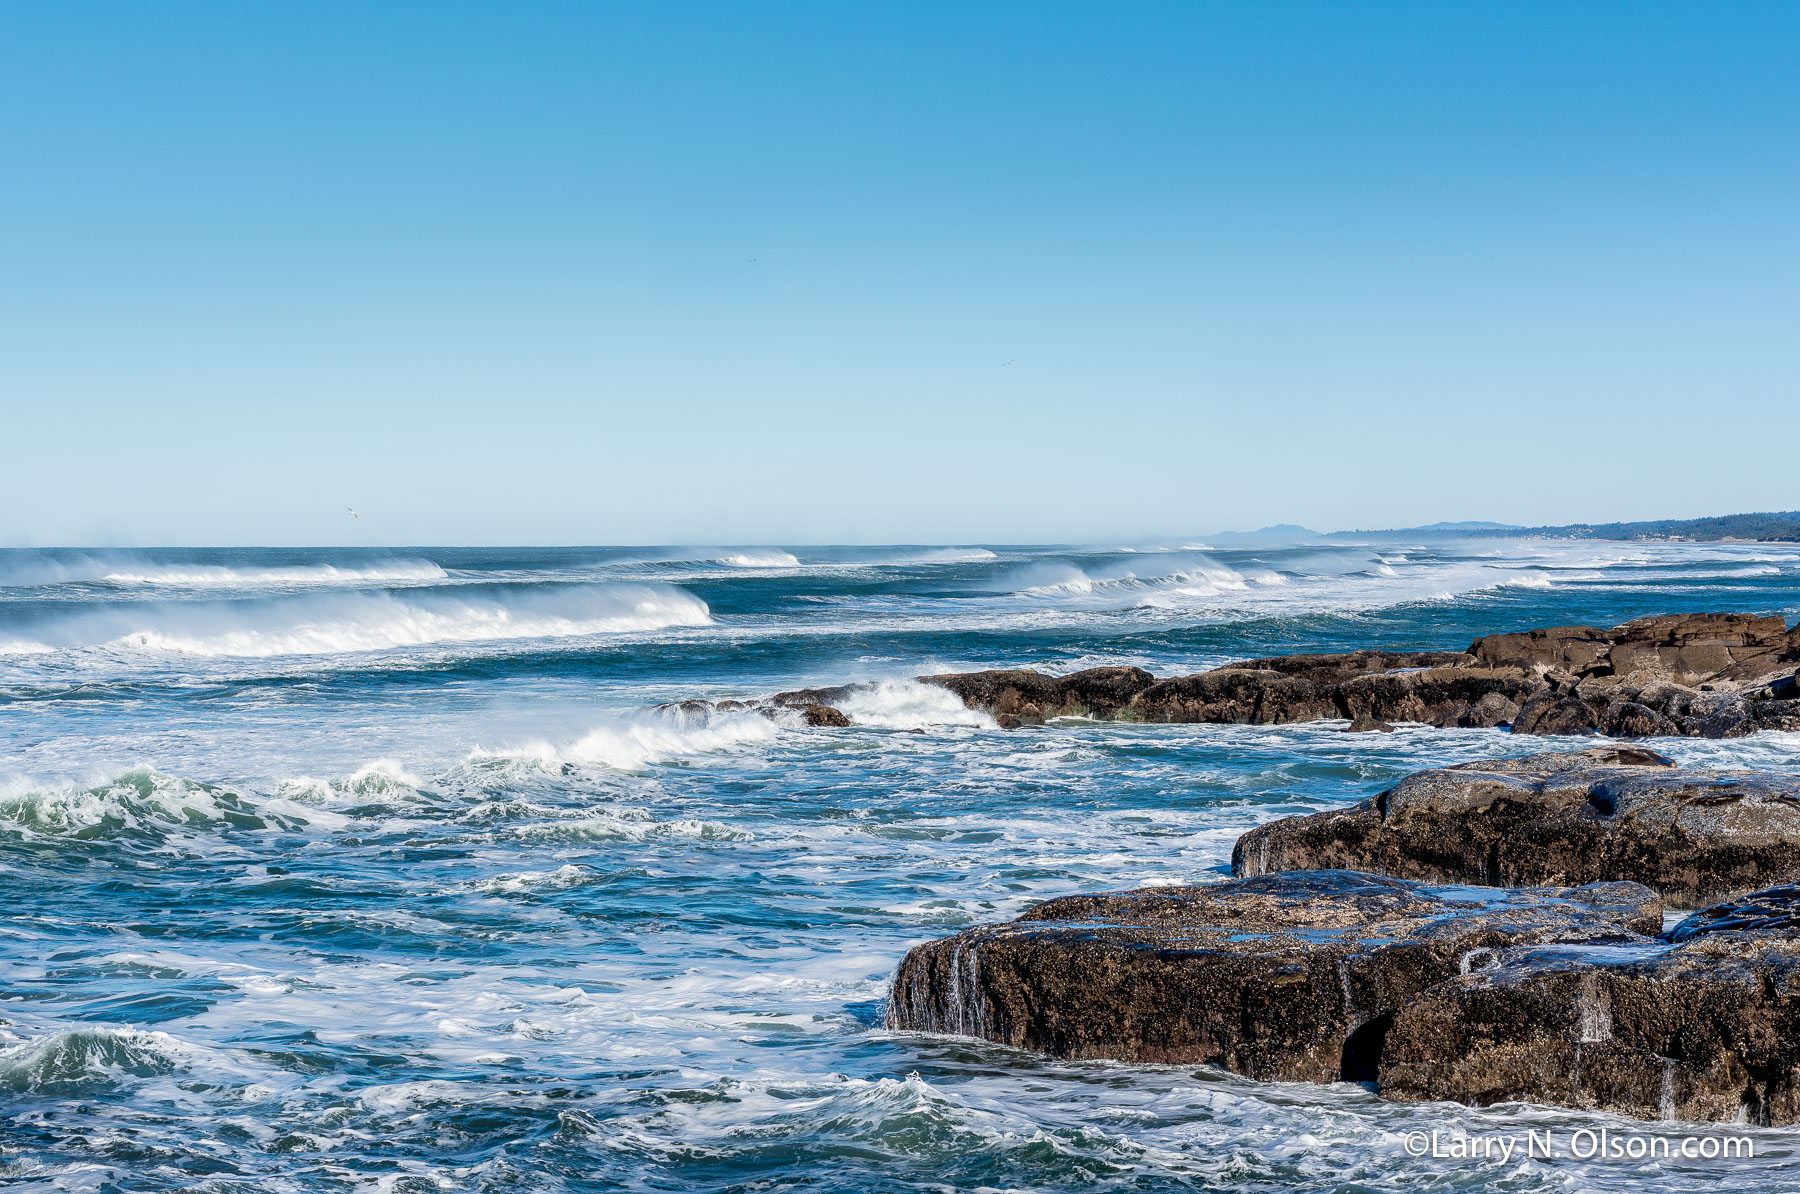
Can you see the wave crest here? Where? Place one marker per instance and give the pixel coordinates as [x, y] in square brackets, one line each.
[133, 571]
[66, 1062]
[770, 558]
[634, 742]
[219, 576]
[141, 804]
[345, 623]
[383, 781]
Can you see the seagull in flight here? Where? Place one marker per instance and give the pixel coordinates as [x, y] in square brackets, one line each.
[352, 510]
[1004, 364]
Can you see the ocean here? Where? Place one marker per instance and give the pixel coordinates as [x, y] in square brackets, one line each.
[344, 869]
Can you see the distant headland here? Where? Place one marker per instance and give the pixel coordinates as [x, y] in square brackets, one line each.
[1777, 526]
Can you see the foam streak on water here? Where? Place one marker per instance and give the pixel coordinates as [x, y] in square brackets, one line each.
[348, 870]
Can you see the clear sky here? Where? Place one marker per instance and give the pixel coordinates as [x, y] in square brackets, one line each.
[850, 272]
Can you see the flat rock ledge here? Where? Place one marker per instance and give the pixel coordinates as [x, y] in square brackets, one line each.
[1559, 818]
[1548, 995]
[1702, 1025]
[1693, 675]
[1292, 977]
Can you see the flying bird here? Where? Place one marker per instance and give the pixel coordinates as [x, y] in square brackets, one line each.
[1004, 364]
[352, 510]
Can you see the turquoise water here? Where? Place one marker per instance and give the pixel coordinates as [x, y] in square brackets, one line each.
[344, 870]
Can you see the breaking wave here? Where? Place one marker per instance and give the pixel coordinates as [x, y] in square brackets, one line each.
[336, 623]
[65, 1062]
[1195, 578]
[141, 804]
[383, 781]
[760, 559]
[634, 742]
[138, 573]
[193, 576]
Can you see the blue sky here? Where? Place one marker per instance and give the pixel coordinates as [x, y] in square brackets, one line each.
[596, 273]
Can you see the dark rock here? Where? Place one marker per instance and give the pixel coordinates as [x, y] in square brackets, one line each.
[1101, 692]
[1773, 912]
[822, 715]
[1552, 711]
[1683, 648]
[802, 697]
[1701, 675]
[813, 713]
[1629, 719]
[687, 708]
[1702, 1026]
[1364, 724]
[1617, 813]
[1289, 977]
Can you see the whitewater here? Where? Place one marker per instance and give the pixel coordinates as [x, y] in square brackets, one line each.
[346, 870]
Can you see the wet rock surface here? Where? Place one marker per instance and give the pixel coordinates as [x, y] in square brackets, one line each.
[1622, 813]
[1564, 996]
[1703, 1025]
[1295, 976]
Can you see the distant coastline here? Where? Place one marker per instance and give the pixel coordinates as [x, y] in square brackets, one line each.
[1774, 527]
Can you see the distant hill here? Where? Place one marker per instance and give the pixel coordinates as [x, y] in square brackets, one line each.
[1780, 526]
[1285, 532]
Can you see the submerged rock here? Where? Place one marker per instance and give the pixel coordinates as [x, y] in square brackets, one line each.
[1619, 813]
[1702, 1026]
[1292, 977]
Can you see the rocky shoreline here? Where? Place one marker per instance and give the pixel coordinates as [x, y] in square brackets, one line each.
[1692, 675]
[1484, 933]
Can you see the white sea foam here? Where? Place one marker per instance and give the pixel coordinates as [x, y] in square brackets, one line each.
[397, 1098]
[907, 704]
[562, 878]
[605, 826]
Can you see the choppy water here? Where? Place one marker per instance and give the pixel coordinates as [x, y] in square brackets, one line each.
[333, 870]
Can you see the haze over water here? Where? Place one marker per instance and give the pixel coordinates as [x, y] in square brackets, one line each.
[346, 869]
